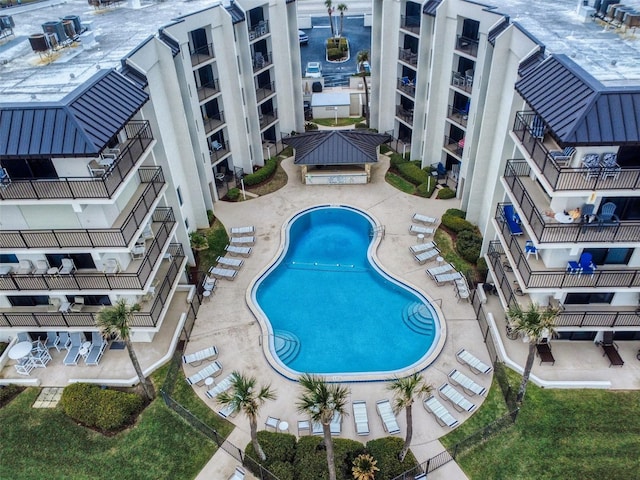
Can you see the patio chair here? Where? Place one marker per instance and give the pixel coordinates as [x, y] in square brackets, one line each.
[447, 278]
[227, 411]
[610, 167]
[610, 349]
[77, 305]
[242, 241]
[335, 427]
[439, 270]
[513, 219]
[230, 262]
[222, 386]
[467, 384]
[456, 398]
[40, 358]
[52, 341]
[243, 231]
[607, 216]
[235, 250]
[25, 267]
[65, 341]
[24, 366]
[73, 352]
[360, 417]
[475, 364]
[591, 164]
[24, 337]
[424, 219]
[98, 346]
[111, 266]
[272, 422]
[562, 157]
[67, 267]
[304, 426]
[209, 284]
[543, 349]
[212, 370]
[223, 273]
[54, 305]
[583, 265]
[196, 358]
[587, 213]
[537, 127]
[138, 251]
[416, 230]
[530, 249]
[41, 267]
[216, 145]
[443, 416]
[426, 255]
[422, 247]
[387, 416]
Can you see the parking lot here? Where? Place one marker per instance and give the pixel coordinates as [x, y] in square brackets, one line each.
[359, 38]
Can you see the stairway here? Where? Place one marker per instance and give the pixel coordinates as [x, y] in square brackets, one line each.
[287, 346]
[419, 319]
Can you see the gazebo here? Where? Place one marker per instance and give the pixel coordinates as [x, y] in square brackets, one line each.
[336, 156]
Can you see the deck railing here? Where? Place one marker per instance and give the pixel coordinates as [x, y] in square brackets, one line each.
[467, 45]
[139, 137]
[410, 23]
[207, 90]
[407, 87]
[259, 29]
[93, 237]
[268, 117]
[212, 122]
[201, 54]
[265, 91]
[458, 115]
[262, 61]
[406, 55]
[404, 114]
[454, 146]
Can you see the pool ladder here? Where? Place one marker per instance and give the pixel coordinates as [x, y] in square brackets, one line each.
[378, 230]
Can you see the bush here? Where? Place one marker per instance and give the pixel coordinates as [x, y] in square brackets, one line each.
[104, 409]
[310, 126]
[483, 269]
[262, 174]
[457, 224]
[468, 245]
[396, 160]
[385, 149]
[233, 194]
[210, 216]
[334, 53]
[278, 447]
[446, 193]
[361, 125]
[385, 451]
[311, 457]
[281, 470]
[426, 189]
[456, 213]
[413, 173]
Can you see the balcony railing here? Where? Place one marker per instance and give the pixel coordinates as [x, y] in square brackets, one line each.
[406, 86]
[139, 138]
[201, 54]
[258, 30]
[454, 146]
[572, 316]
[265, 91]
[407, 56]
[410, 23]
[89, 281]
[461, 81]
[567, 178]
[404, 114]
[208, 90]
[212, 122]
[261, 60]
[147, 317]
[560, 278]
[268, 117]
[216, 155]
[467, 45]
[93, 237]
[554, 232]
[458, 115]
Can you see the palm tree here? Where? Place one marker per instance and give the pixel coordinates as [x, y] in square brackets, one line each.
[321, 401]
[244, 396]
[364, 467]
[341, 8]
[329, 5]
[535, 323]
[363, 56]
[405, 390]
[116, 320]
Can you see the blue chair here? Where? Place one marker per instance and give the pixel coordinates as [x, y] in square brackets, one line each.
[586, 264]
[537, 127]
[587, 213]
[607, 214]
[562, 157]
[513, 219]
[530, 249]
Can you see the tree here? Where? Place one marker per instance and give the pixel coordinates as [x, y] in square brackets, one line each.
[364, 467]
[116, 320]
[329, 5]
[321, 401]
[535, 323]
[405, 390]
[244, 396]
[341, 8]
[363, 56]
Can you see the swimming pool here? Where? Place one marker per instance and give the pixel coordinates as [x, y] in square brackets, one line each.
[328, 308]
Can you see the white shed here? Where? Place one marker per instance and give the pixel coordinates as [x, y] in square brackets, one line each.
[331, 105]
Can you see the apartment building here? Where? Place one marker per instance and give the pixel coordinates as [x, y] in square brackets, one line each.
[531, 112]
[121, 125]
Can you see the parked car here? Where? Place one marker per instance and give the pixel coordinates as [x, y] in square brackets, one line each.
[314, 70]
[303, 37]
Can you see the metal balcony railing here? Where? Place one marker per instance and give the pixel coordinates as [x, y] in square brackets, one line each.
[93, 281]
[572, 316]
[208, 90]
[461, 81]
[258, 30]
[267, 118]
[201, 54]
[151, 177]
[566, 178]
[467, 45]
[404, 114]
[406, 86]
[458, 115]
[149, 316]
[139, 138]
[407, 56]
[410, 23]
[454, 146]
[261, 60]
[213, 122]
[265, 91]
[547, 231]
[225, 148]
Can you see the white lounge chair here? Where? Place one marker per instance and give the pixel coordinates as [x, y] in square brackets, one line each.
[25, 267]
[422, 247]
[98, 346]
[387, 416]
[238, 474]
[424, 219]
[466, 383]
[222, 386]
[473, 362]
[242, 241]
[235, 250]
[417, 229]
[449, 277]
[456, 398]
[73, 351]
[304, 426]
[196, 358]
[360, 417]
[335, 427]
[53, 340]
[223, 273]
[234, 263]
[241, 231]
[272, 422]
[439, 270]
[227, 411]
[211, 370]
[426, 255]
[443, 416]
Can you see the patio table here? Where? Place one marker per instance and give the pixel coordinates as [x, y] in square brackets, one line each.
[20, 350]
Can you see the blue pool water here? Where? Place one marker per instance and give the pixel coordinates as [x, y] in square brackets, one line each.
[332, 310]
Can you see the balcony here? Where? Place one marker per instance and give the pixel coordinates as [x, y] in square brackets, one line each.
[213, 122]
[533, 201]
[208, 90]
[405, 85]
[404, 114]
[580, 316]
[461, 81]
[407, 56]
[148, 316]
[457, 115]
[221, 152]
[134, 278]
[125, 227]
[410, 23]
[265, 91]
[554, 278]
[139, 138]
[562, 178]
[201, 54]
[258, 30]
[454, 146]
[467, 45]
[261, 61]
[267, 118]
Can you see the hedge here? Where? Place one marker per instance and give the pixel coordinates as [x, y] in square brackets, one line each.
[456, 212]
[233, 194]
[457, 224]
[468, 245]
[278, 447]
[412, 173]
[446, 193]
[334, 53]
[262, 174]
[385, 149]
[396, 160]
[361, 125]
[385, 451]
[311, 458]
[426, 189]
[105, 409]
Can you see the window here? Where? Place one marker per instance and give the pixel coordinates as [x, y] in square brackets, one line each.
[610, 256]
[179, 195]
[8, 258]
[186, 223]
[96, 300]
[588, 298]
[27, 300]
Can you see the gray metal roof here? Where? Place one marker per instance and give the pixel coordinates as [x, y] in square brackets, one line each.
[81, 124]
[497, 30]
[336, 147]
[237, 14]
[577, 108]
[430, 7]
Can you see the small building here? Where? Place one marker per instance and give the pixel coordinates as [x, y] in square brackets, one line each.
[331, 105]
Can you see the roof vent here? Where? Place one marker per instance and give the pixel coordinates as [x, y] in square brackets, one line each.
[613, 62]
[72, 76]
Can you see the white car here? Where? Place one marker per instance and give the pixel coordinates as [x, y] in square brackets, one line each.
[303, 37]
[314, 70]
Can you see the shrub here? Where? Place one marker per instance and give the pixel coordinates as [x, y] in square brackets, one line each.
[456, 212]
[198, 241]
[412, 173]
[468, 245]
[334, 53]
[104, 409]
[310, 126]
[262, 174]
[278, 447]
[361, 125]
[456, 224]
[396, 159]
[385, 451]
[426, 189]
[446, 193]
[210, 216]
[287, 152]
[483, 269]
[282, 470]
[385, 149]
[311, 457]
[233, 194]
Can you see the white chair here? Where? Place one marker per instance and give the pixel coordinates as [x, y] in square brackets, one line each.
[335, 427]
[424, 219]
[422, 247]
[423, 257]
[235, 250]
[111, 266]
[216, 145]
[98, 346]
[478, 366]
[53, 340]
[54, 305]
[243, 231]
[73, 351]
[25, 267]
[458, 400]
[196, 358]
[221, 386]
[242, 241]
[272, 422]
[223, 273]
[138, 251]
[41, 267]
[212, 370]
[439, 270]
[24, 366]
[447, 277]
[443, 416]
[304, 426]
[77, 305]
[230, 262]
[360, 417]
[466, 383]
[417, 229]
[387, 416]
[67, 267]
[40, 358]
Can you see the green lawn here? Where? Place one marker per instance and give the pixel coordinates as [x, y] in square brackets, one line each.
[342, 122]
[400, 183]
[559, 434]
